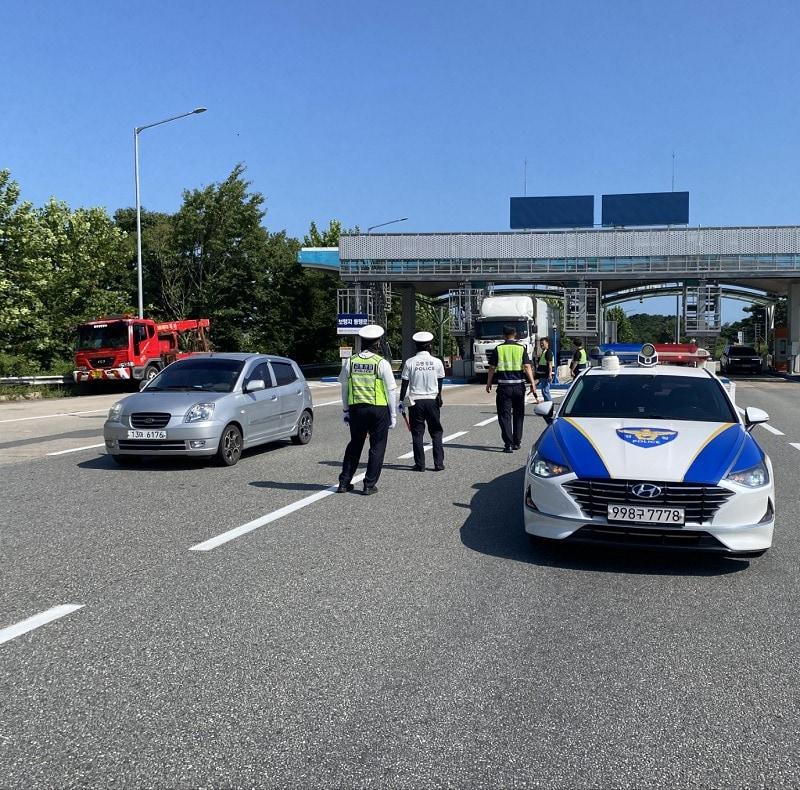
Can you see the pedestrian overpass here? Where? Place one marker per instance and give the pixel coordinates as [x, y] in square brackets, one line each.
[592, 268]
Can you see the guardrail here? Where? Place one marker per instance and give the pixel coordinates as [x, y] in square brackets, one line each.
[11, 381]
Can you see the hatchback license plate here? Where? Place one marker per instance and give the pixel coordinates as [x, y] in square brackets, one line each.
[646, 515]
[147, 434]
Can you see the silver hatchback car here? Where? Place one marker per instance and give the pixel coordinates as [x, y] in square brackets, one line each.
[212, 405]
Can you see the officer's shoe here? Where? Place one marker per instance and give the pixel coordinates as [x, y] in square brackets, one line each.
[344, 488]
[370, 491]
[417, 468]
[438, 468]
[515, 447]
[507, 449]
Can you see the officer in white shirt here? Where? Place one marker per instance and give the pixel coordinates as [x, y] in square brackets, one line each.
[368, 390]
[421, 391]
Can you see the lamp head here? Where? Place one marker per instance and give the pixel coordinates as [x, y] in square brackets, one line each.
[198, 110]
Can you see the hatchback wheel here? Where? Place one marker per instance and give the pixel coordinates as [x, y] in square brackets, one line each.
[230, 446]
[305, 428]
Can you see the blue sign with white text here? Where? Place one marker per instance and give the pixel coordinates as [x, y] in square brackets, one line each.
[350, 323]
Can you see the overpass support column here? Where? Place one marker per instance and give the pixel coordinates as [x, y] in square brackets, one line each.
[793, 327]
[408, 319]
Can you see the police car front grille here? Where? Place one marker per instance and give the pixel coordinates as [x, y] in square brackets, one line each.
[149, 419]
[151, 445]
[700, 502]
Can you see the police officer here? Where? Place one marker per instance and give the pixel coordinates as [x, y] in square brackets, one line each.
[510, 365]
[580, 359]
[422, 380]
[544, 368]
[368, 390]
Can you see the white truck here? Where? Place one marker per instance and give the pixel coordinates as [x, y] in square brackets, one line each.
[528, 316]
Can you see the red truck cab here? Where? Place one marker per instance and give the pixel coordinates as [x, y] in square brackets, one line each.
[124, 347]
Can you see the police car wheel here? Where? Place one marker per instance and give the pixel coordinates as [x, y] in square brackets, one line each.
[305, 428]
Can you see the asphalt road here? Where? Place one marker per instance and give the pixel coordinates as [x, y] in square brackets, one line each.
[406, 640]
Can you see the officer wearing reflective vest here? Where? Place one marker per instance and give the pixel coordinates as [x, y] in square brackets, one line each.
[510, 367]
[580, 359]
[368, 390]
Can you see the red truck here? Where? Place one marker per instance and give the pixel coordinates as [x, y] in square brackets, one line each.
[123, 347]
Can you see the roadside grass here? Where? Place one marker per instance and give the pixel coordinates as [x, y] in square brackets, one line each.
[22, 392]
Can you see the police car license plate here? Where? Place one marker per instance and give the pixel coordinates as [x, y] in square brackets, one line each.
[147, 434]
[646, 515]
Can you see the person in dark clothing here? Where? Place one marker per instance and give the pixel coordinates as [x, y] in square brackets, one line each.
[510, 366]
[580, 359]
[544, 368]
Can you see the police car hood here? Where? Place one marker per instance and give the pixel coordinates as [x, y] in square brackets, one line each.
[637, 449]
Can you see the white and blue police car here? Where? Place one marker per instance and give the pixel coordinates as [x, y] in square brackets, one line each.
[650, 455]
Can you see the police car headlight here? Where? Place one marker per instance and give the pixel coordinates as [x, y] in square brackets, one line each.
[754, 477]
[114, 412]
[200, 412]
[541, 467]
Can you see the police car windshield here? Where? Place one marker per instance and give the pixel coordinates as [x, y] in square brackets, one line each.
[653, 397]
[493, 330]
[204, 374]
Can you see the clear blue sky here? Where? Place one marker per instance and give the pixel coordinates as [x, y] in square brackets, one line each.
[367, 111]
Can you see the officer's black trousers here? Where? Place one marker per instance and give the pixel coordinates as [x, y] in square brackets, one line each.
[426, 412]
[364, 420]
[511, 412]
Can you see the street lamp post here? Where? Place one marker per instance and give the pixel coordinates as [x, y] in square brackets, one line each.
[136, 131]
[390, 222]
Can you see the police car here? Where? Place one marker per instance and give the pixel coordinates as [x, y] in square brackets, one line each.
[650, 455]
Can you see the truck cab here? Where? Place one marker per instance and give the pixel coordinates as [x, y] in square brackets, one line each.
[119, 348]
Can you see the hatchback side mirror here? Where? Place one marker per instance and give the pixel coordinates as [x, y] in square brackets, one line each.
[545, 410]
[754, 416]
[255, 385]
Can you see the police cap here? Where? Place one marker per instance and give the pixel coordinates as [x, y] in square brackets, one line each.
[371, 332]
[423, 337]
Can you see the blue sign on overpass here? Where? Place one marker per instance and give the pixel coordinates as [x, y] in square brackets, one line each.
[326, 258]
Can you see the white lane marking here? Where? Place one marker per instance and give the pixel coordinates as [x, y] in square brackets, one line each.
[485, 422]
[765, 425]
[327, 403]
[60, 414]
[795, 445]
[12, 631]
[78, 449]
[321, 384]
[430, 446]
[232, 534]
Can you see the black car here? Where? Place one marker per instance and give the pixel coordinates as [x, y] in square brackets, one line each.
[740, 359]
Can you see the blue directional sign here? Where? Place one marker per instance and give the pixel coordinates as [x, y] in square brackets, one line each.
[560, 211]
[350, 323]
[646, 208]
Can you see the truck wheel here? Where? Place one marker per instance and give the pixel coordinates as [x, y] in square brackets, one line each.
[304, 428]
[150, 372]
[230, 446]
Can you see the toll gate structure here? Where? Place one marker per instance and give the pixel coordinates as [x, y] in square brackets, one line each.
[704, 263]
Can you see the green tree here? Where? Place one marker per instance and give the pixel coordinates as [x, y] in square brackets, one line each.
[624, 328]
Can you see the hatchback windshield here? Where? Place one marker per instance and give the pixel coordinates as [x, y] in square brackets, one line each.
[94, 336]
[656, 397]
[742, 351]
[205, 373]
[493, 330]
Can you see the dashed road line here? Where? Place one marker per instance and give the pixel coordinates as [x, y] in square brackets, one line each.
[795, 445]
[78, 449]
[38, 620]
[485, 422]
[430, 446]
[765, 425]
[327, 403]
[232, 534]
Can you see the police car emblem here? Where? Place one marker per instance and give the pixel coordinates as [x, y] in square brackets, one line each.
[646, 437]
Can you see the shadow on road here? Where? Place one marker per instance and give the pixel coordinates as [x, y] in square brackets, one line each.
[494, 526]
[274, 484]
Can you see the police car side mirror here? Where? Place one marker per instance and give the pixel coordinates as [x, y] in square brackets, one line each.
[754, 416]
[545, 410]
